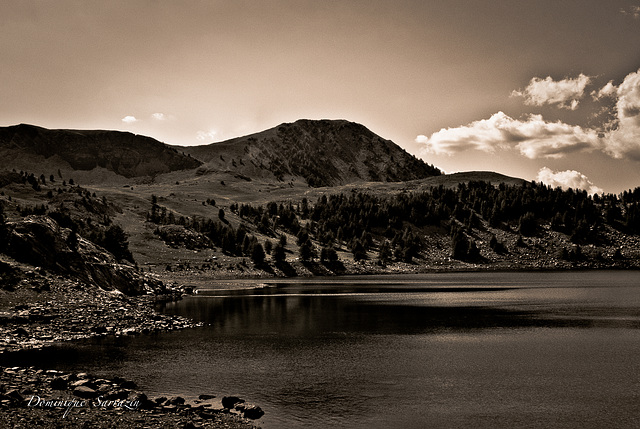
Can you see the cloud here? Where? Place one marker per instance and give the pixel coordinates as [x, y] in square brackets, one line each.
[422, 139]
[207, 135]
[609, 90]
[159, 116]
[565, 93]
[533, 137]
[623, 141]
[567, 179]
[129, 119]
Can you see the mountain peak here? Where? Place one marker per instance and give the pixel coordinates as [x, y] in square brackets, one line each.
[322, 152]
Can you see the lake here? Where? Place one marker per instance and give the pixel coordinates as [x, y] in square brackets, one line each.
[535, 349]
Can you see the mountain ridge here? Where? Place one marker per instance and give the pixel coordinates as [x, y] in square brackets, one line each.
[318, 153]
[122, 152]
[322, 152]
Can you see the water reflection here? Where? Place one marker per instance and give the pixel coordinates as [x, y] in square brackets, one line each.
[318, 309]
[474, 350]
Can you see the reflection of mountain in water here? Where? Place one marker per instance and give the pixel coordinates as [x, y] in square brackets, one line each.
[317, 314]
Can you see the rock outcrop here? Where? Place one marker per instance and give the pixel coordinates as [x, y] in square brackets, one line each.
[41, 242]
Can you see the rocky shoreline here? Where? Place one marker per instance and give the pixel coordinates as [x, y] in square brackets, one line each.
[43, 309]
[48, 398]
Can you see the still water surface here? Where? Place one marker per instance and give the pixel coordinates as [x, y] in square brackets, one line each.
[442, 350]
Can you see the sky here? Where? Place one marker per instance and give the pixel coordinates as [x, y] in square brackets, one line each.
[545, 90]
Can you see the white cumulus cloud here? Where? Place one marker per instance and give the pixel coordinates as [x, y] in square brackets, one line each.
[567, 179]
[609, 90]
[129, 119]
[565, 93]
[533, 137]
[159, 116]
[624, 140]
[422, 139]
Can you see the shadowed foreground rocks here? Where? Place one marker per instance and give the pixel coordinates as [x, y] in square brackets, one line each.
[39, 308]
[32, 397]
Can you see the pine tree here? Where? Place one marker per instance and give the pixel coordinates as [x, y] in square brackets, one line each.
[257, 254]
[384, 253]
[116, 242]
[359, 251]
[460, 246]
[278, 253]
[306, 251]
[328, 255]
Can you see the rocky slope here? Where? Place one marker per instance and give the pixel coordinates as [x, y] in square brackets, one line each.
[124, 153]
[41, 242]
[320, 152]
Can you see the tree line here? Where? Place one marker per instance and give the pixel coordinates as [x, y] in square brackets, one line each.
[392, 224]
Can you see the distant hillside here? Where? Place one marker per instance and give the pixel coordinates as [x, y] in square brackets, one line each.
[322, 152]
[124, 153]
[453, 179]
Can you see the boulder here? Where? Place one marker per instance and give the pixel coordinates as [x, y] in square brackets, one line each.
[253, 412]
[116, 394]
[82, 382]
[209, 414]
[176, 400]
[21, 332]
[59, 383]
[230, 401]
[14, 395]
[128, 384]
[144, 403]
[85, 392]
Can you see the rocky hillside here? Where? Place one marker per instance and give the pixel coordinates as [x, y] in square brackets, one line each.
[321, 152]
[40, 242]
[124, 153]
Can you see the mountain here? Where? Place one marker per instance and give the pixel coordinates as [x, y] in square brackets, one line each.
[316, 152]
[124, 153]
[321, 152]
